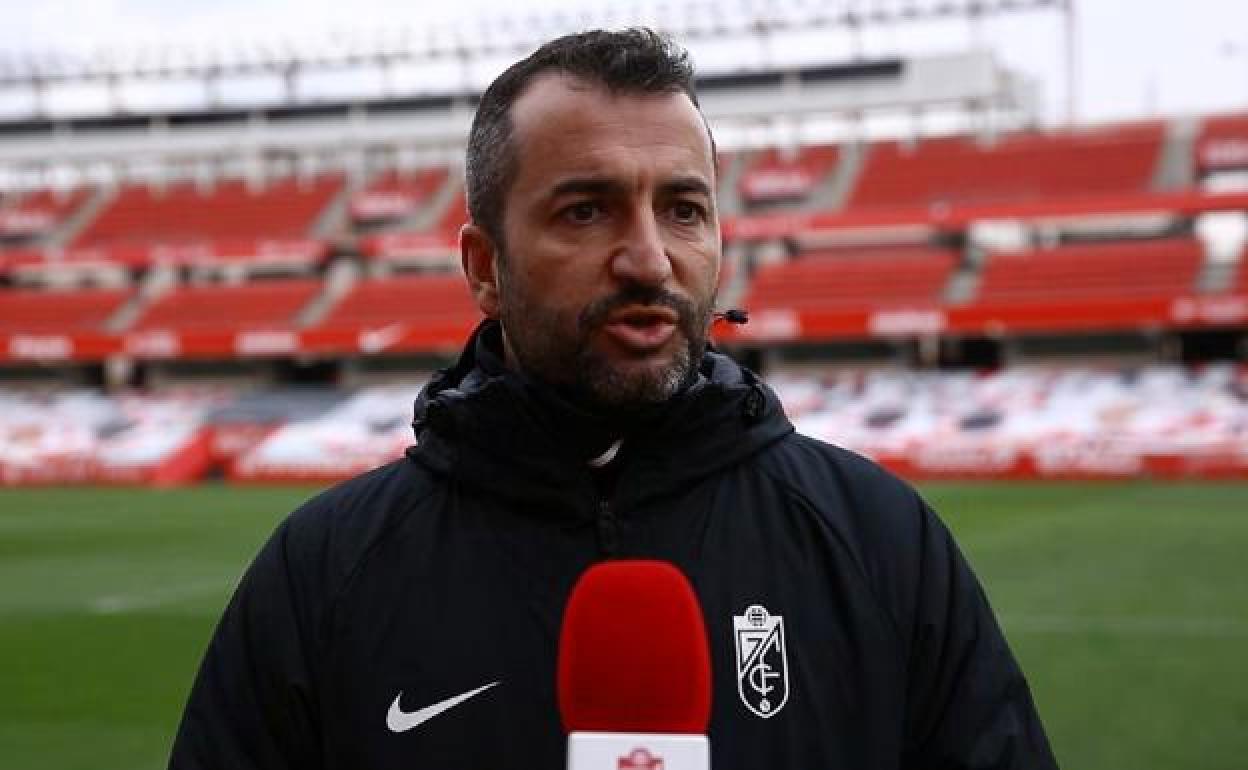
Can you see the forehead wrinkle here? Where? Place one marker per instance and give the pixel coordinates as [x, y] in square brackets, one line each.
[594, 185]
[580, 124]
[686, 184]
[624, 157]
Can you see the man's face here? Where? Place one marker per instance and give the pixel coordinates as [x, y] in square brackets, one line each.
[612, 244]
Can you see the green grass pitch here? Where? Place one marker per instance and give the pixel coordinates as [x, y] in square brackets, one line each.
[1126, 603]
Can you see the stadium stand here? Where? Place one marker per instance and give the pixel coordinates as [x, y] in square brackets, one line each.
[425, 250]
[1036, 421]
[369, 428]
[394, 195]
[776, 175]
[240, 425]
[1163, 267]
[246, 306]
[854, 278]
[1016, 168]
[1032, 421]
[38, 212]
[415, 300]
[1223, 143]
[903, 262]
[454, 216]
[256, 305]
[38, 311]
[1241, 283]
[431, 244]
[85, 436]
[228, 211]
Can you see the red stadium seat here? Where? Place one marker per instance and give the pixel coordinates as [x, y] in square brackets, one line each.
[259, 305]
[854, 279]
[28, 311]
[1130, 269]
[411, 299]
[1018, 168]
[182, 213]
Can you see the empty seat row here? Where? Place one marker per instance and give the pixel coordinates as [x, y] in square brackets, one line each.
[185, 213]
[263, 304]
[830, 280]
[411, 299]
[1164, 267]
[27, 311]
[1016, 168]
[269, 304]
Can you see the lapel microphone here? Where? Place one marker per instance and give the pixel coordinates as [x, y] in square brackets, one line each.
[733, 316]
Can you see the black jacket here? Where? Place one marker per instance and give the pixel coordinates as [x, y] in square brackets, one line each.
[448, 570]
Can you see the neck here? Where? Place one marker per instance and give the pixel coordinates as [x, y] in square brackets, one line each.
[588, 430]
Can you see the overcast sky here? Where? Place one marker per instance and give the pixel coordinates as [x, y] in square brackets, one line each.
[1136, 57]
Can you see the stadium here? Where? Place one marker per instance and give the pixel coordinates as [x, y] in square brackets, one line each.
[214, 303]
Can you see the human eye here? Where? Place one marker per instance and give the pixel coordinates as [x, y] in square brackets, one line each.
[687, 212]
[582, 212]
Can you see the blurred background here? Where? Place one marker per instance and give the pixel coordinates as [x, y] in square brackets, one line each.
[997, 245]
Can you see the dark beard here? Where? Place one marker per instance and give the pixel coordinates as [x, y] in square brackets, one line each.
[586, 377]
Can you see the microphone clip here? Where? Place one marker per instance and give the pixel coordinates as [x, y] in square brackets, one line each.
[734, 316]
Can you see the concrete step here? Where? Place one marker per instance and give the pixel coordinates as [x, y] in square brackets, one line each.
[335, 219]
[729, 192]
[156, 283]
[339, 279]
[1215, 277]
[1176, 166]
[436, 206]
[833, 191]
[72, 227]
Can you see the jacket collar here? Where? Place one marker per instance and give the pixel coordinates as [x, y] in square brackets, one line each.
[493, 429]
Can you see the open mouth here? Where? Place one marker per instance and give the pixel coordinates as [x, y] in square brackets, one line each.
[641, 329]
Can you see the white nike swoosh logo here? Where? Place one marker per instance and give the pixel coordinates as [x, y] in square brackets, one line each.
[399, 720]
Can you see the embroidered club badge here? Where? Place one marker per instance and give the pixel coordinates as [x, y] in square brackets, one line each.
[762, 660]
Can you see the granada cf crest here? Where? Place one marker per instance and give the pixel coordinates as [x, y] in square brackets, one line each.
[762, 660]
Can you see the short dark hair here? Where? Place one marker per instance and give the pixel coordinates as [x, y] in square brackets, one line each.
[636, 60]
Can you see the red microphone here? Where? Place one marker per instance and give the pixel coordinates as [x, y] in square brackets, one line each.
[634, 675]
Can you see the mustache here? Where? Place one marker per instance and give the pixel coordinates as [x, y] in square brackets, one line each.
[596, 313]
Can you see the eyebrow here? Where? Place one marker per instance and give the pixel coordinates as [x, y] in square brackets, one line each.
[687, 184]
[605, 186]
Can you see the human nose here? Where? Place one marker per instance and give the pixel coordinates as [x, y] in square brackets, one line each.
[641, 256]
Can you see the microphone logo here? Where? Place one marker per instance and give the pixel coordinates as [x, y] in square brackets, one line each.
[640, 759]
[762, 660]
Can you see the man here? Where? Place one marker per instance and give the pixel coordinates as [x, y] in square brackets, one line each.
[409, 618]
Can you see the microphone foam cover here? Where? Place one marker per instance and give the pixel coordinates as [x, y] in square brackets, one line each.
[633, 655]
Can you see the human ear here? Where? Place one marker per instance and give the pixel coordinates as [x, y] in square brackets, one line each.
[478, 255]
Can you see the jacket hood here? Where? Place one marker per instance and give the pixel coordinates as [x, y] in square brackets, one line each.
[495, 430]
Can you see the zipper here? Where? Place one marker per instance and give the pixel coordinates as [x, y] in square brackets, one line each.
[608, 529]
